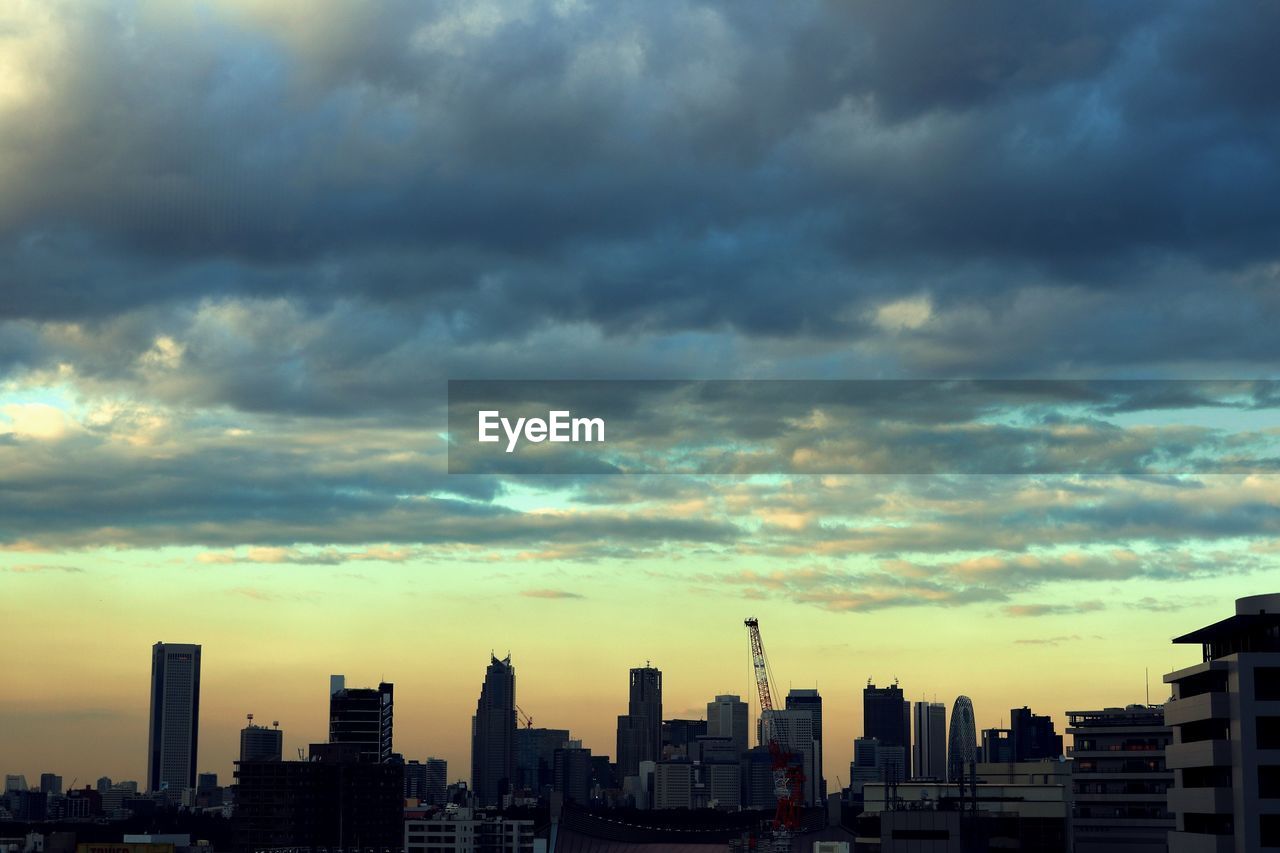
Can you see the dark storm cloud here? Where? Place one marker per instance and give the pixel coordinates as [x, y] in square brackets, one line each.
[656, 167]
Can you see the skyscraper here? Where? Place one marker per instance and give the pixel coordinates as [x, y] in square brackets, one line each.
[727, 717]
[808, 699]
[493, 734]
[1034, 736]
[259, 743]
[962, 740]
[640, 729]
[363, 716]
[886, 715]
[929, 752]
[794, 731]
[175, 717]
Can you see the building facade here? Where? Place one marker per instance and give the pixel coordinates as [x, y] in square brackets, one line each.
[640, 729]
[1225, 718]
[929, 751]
[1119, 780]
[363, 716]
[962, 739]
[727, 716]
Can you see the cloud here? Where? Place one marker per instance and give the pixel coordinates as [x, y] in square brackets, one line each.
[1061, 609]
[549, 593]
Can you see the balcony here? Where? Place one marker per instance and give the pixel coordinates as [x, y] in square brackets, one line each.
[1201, 800]
[1202, 753]
[1194, 842]
[1206, 706]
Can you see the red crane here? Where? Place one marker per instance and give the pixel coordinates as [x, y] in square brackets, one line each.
[788, 779]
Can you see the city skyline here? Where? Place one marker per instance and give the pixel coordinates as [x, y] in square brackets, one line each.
[596, 734]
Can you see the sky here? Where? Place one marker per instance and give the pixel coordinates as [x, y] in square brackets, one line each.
[245, 244]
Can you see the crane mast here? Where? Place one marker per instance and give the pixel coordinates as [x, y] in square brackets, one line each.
[788, 780]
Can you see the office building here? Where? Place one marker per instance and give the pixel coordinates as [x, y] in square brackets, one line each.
[727, 716]
[174, 731]
[997, 746]
[640, 729]
[808, 700]
[363, 716]
[572, 773]
[1225, 717]
[1119, 779]
[336, 799]
[426, 781]
[678, 736]
[465, 830]
[535, 758]
[673, 784]
[873, 761]
[793, 730]
[1034, 736]
[259, 743]
[929, 750]
[51, 783]
[886, 716]
[493, 734]
[962, 739]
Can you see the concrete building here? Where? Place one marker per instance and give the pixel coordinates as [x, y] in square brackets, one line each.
[464, 830]
[363, 716]
[886, 715]
[727, 716]
[1119, 780]
[1225, 717]
[673, 785]
[571, 776]
[808, 699]
[426, 781]
[174, 732]
[997, 746]
[876, 762]
[929, 750]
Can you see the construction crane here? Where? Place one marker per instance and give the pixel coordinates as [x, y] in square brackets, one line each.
[524, 718]
[788, 779]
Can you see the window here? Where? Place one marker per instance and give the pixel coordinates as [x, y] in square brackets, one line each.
[1266, 683]
[1269, 781]
[1268, 732]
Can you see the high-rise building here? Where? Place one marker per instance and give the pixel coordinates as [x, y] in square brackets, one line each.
[14, 782]
[363, 716]
[679, 735]
[535, 757]
[1034, 736]
[727, 716]
[876, 762]
[1119, 780]
[104, 784]
[929, 752]
[571, 772]
[175, 717]
[493, 734]
[640, 729]
[962, 739]
[997, 746]
[259, 743]
[1225, 716]
[886, 715]
[807, 699]
[50, 783]
[793, 730]
[426, 781]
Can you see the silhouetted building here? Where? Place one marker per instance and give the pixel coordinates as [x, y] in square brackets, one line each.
[363, 716]
[793, 730]
[727, 716]
[929, 751]
[997, 746]
[572, 773]
[1034, 736]
[873, 761]
[426, 781]
[51, 783]
[886, 715]
[493, 734]
[1119, 779]
[335, 800]
[962, 739]
[259, 743]
[640, 729]
[1225, 716]
[535, 757]
[175, 717]
[679, 735]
